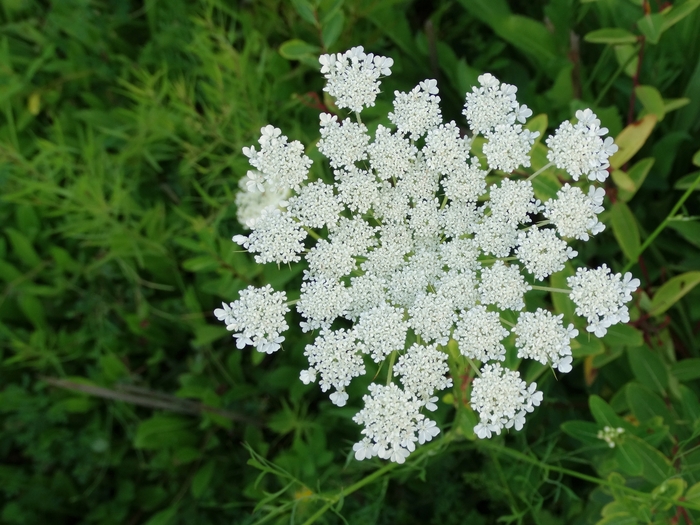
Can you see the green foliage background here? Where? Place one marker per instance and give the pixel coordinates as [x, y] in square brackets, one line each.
[123, 401]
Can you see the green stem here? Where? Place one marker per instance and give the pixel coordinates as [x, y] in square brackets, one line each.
[392, 359]
[543, 168]
[473, 365]
[549, 289]
[661, 226]
[373, 476]
[312, 233]
[500, 449]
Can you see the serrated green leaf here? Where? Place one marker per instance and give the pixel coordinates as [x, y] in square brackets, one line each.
[631, 139]
[625, 229]
[611, 35]
[645, 404]
[652, 101]
[672, 291]
[652, 27]
[202, 479]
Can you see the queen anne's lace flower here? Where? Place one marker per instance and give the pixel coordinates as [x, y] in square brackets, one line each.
[391, 419]
[315, 206]
[542, 252]
[541, 336]
[335, 358]
[422, 371]
[353, 77]
[412, 246]
[574, 213]
[257, 317]
[600, 297]
[343, 144]
[275, 237]
[282, 164]
[502, 399]
[417, 112]
[579, 149]
[479, 334]
[503, 286]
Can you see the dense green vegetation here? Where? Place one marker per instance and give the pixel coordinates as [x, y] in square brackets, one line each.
[122, 399]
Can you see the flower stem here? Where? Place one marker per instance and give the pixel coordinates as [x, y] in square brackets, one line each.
[473, 365]
[392, 359]
[543, 168]
[663, 225]
[550, 289]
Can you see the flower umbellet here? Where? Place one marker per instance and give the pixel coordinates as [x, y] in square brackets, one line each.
[412, 248]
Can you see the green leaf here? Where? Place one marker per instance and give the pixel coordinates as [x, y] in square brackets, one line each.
[332, 28]
[651, 99]
[631, 139]
[33, 308]
[584, 431]
[623, 335]
[628, 459]
[672, 104]
[625, 230]
[656, 467]
[296, 49]
[688, 229]
[201, 480]
[649, 369]
[686, 369]
[672, 291]
[112, 368]
[677, 13]
[638, 173]
[645, 404]
[603, 414]
[611, 35]
[671, 489]
[625, 185]
[164, 431]
[693, 494]
[201, 263]
[627, 55]
[305, 10]
[619, 518]
[652, 27]
[689, 403]
[22, 248]
[164, 517]
[687, 181]
[696, 159]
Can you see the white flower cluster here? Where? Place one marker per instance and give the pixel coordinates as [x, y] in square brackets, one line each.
[579, 148]
[610, 435]
[257, 317]
[421, 240]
